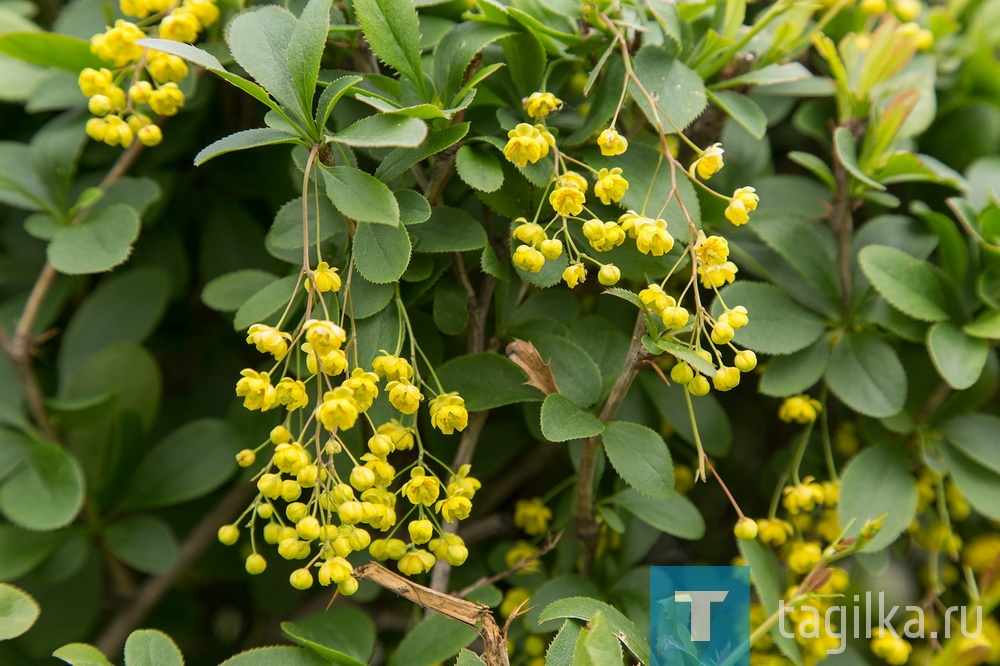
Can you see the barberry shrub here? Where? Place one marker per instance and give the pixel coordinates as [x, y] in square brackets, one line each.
[416, 332]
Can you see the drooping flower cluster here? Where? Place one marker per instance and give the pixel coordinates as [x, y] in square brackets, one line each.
[140, 83]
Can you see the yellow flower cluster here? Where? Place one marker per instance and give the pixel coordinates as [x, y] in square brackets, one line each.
[800, 409]
[121, 99]
[532, 516]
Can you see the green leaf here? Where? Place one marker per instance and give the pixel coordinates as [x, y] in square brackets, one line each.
[331, 95]
[81, 654]
[769, 581]
[393, 31]
[451, 308]
[457, 49]
[102, 241]
[598, 645]
[266, 302]
[401, 159]
[434, 639]
[479, 169]
[18, 611]
[816, 165]
[559, 587]
[258, 39]
[127, 370]
[381, 252]
[381, 130]
[21, 550]
[166, 475]
[986, 325]
[778, 325]
[487, 381]
[448, 230]
[467, 658]
[125, 307]
[675, 515]
[875, 482]
[980, 485]
[768, 75]
[305, 49]
[975, 436]
[576, 374]
[50, 49]
[342, 634]
[46, 492]
[19, 186]
[846, 152]
[912, 286]
[682, 352]
[583, 608]
[242, 140]
[278, 655]
[228, 292]
[413, 207]
[640, 456]
[149, 647]
[144, 543]
[807, 245]
[286, 230]
[793, 374]
[959, 358]
[741, 109]
[714, 427]
[360, 196]
[137, 193]
[678, 91]
[562, 420]
[367, 298]
[563, 646]
[865, 373]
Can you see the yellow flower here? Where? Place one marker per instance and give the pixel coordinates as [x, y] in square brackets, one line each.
[117, 45]
[574, 274]
[383, 471]
[682, 373]
[166, 67]
[269, 340]
[981, 552]
[331, 363]
[804, 556]
[528, 232]
[420, 531]
[326, 278]
[95, 81]
[365, 387]
[722, 332]
[710, 162]
[421, 489]
[873, 7]
[180, 26]
[745, 529]
[515, 597]
[631, 222]
[612, 143]
[450, 548]
[462, 484]
[551, 248]
[675, 317]
[255, 564]
[567, 201]
[712, 251]
[205, 11]
[774, 532]
[736, 317]
[528, 258]
[743, 202]
[448, 413]
[454, 508]
[532, 516]
[167, 99]
[716, 276]
[609, 275]
[519, 552]
[404, 396]
[256, 390]
[891, 649]
[654, 239]
[339, 409]
[335, 570]
[540, 104]
[654, 298]
[401, 436]
[572, 179]
[291, 393]
[726, 378]
[610, 186]
[392, 367]
[149, 135]
[416, 562]
[745, 361]
[301, 579]
[803, 497]
[799, 409]
[525, 144]
[324, 336]
[906, 10]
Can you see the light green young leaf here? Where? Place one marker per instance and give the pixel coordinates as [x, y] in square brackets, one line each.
[846, 153]
[242, 140]
[305, 49]
[81, 654]
[878, 482]
[102, 241]
[360, 196]
[865, 373]
[331, 95]
[18, 611]
[959, 358]
[381, 252]
[598, 645]
[767, 76]
[393, 31]
[382, 130]
[986, 325]
[640, 456]
[562, 420]
[46, 492]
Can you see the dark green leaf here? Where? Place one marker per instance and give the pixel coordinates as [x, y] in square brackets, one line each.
[563, 646]
[166, 476]
[451, 308]
[714, 427]
[278, 655]
[741, 109]
[467, 658]
[583, 608]
[878, 482]
[457, 49]
[959, 358]
[980, 485]
[401, 159]
[368, 298]
[23, 550]
[796, 373]
[381, 252]
[242, 140]
[769, 581]
[778, 325]
[381, 130]
[562, 420]
[50, 49]
[865, 373]
[144, 543]
[640, 456]
[914, 287]
[448, 230]
[46, 492]
[128, 371]
[344, 635]
[975, 436]
[679, 92]
[266, 302]
[305, 49]
[259, 39]
[360, 196]
[393, 31]
[413, 207]
[331, 95]
[229, 292]
[479, 169]
[675, 515]
[807, 245]
[487, 381]
[286, 230]
[435, 639]
[102, 241]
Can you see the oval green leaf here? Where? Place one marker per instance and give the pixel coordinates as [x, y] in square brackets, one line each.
[877, 482]
[867, 376]
[640, 456]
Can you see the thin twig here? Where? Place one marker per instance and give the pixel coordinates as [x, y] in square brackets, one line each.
[549, 544]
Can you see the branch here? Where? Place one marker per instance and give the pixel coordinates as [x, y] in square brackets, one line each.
[112, 639]
[587, 529]
[477, 616]
[843, 228]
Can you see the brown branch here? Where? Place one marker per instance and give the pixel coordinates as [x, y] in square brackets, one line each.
[587, 529]
[550, 543]
[112, 639]
[477, 616]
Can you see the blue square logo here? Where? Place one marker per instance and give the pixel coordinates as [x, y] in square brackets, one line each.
[699, 616]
